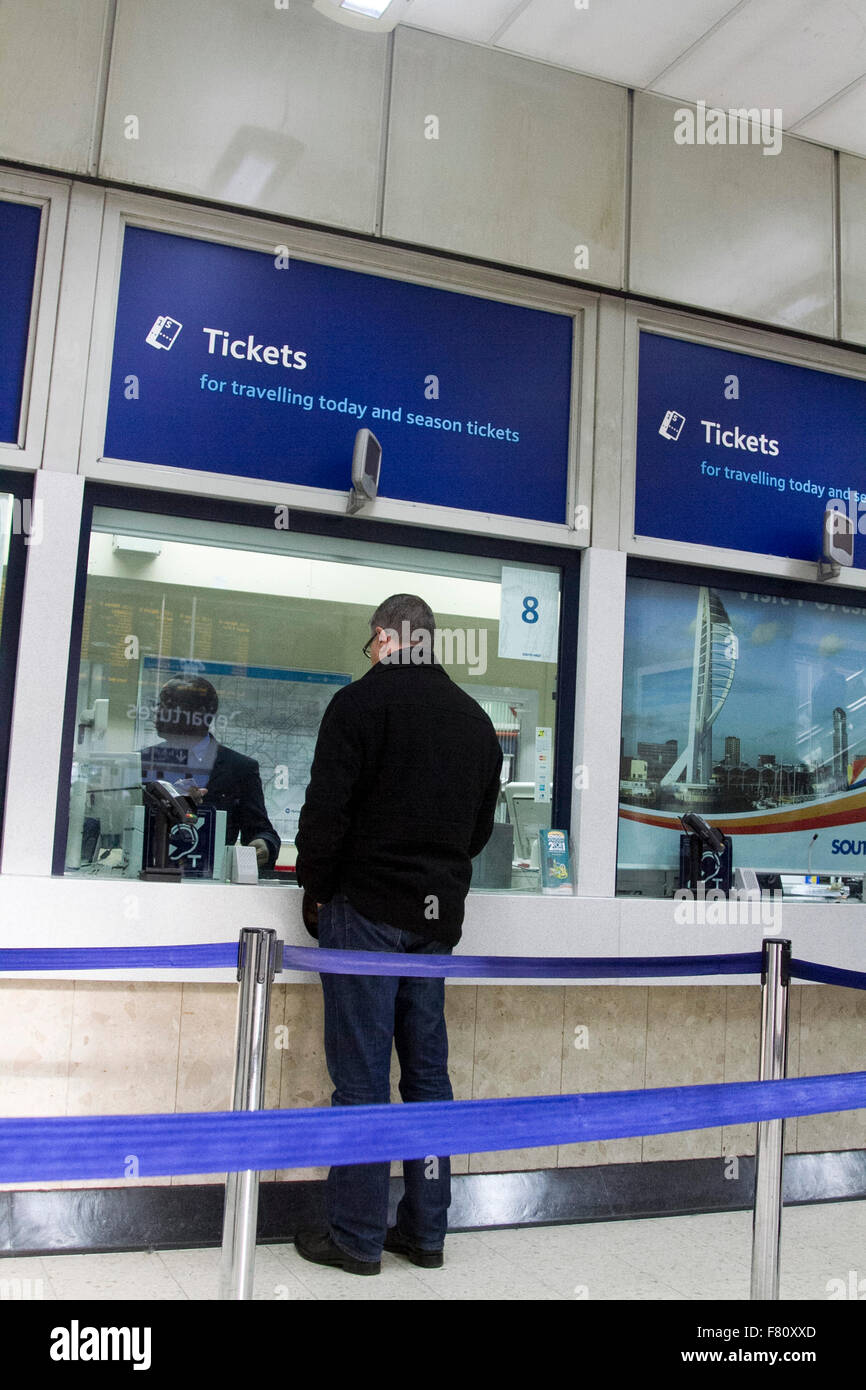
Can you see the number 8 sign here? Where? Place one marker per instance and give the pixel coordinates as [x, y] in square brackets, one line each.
[529, 614]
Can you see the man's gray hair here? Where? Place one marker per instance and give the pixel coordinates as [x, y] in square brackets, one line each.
[404, 608]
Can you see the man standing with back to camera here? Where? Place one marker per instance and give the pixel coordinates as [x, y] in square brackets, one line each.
[402, 795]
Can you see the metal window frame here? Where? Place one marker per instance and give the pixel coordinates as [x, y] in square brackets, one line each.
[52, 196]
[20, 486]
[375, 533]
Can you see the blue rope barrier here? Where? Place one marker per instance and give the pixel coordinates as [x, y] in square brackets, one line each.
[209, 955]
[318, 961]
[326, 962]
[111, 1146]
[827, 974]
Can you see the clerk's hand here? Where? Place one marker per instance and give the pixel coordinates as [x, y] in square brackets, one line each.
[195, 794]
[263, 852]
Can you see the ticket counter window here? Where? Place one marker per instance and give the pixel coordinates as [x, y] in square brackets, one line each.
[748, 710]
[210, 652]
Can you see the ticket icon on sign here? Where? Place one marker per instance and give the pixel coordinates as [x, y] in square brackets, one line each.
[164, 332]
[671, 426]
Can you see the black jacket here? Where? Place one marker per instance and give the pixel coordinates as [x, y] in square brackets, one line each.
[402, 794]
[234, 786]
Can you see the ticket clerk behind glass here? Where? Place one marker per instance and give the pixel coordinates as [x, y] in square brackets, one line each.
[214, 775]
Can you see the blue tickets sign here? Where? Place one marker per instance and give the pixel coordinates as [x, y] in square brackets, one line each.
[745, 453]
[263, 366]
[19, 245]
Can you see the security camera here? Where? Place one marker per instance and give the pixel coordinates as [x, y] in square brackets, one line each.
[366, 464]
[838, 547]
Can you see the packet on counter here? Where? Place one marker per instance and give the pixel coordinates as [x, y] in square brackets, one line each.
[555, 862]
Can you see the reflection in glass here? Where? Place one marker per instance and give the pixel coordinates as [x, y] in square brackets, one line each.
[272, 633]
[746, 708]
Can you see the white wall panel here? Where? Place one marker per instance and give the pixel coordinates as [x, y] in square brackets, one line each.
[730, 228]
[852, 209]
[50, 64]
[279, 109]
[529, 161]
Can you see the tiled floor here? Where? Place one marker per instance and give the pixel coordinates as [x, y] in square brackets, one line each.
[674, 1258]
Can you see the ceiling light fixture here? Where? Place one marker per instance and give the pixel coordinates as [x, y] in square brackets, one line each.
[375, 16]
[374, 9]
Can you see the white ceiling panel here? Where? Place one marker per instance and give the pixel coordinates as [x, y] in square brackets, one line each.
[805, 57]
[474, 20]
[627, 41]
[841, 123]
[792, 54]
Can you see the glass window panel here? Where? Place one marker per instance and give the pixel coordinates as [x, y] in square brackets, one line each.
[749, 710]
[274, 622]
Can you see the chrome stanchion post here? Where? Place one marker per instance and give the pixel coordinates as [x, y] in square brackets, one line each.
[769, 1154]
[256, 966]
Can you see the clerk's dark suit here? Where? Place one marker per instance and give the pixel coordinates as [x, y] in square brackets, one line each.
[233, 785]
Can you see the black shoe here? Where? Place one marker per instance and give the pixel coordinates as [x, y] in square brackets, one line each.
[318, 1247]
[426, 1259]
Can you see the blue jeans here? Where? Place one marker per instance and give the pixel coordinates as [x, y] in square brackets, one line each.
[363, 1015]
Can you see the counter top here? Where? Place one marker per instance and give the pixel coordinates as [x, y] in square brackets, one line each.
[51, 912]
